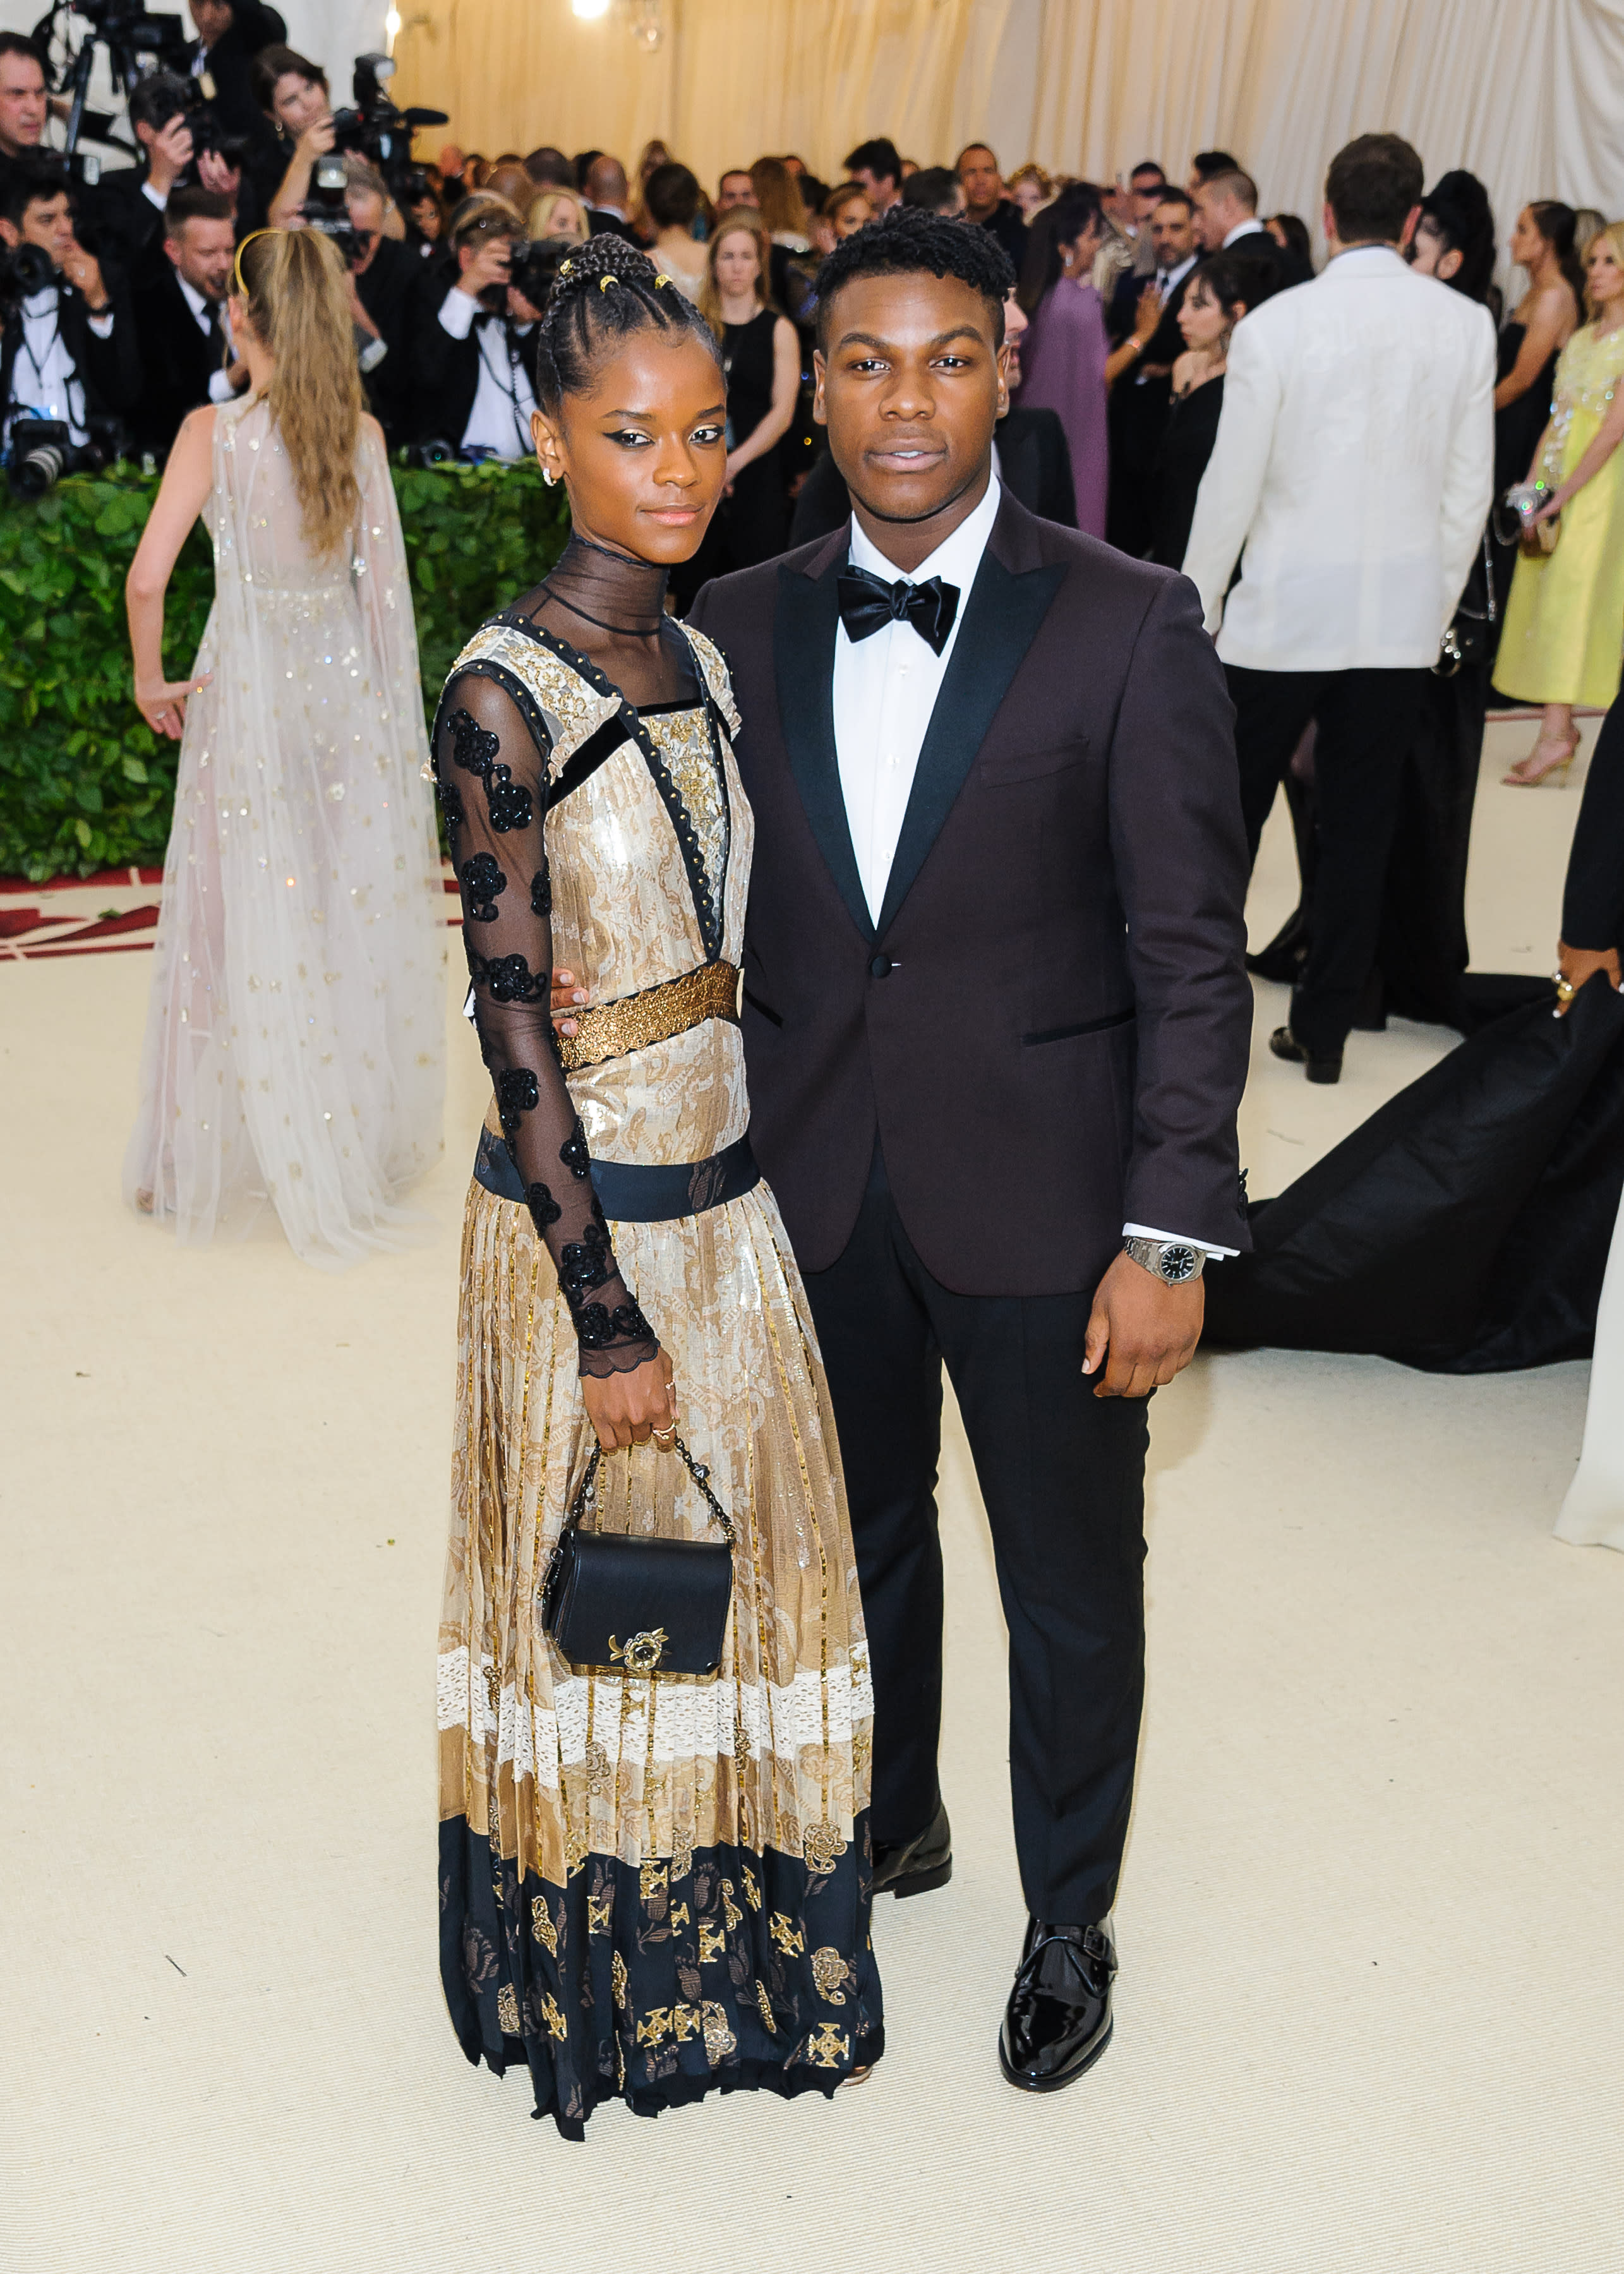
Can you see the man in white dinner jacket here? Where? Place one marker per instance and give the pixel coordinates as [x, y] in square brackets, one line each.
[1352, 477]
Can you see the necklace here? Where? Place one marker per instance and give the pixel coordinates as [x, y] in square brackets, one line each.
[643, 571]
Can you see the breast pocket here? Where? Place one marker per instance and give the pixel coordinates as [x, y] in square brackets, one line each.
[1032, 765]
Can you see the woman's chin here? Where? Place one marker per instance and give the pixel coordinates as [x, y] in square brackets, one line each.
[671, 539]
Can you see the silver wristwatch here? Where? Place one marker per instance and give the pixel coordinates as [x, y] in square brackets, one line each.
[1174, 1262]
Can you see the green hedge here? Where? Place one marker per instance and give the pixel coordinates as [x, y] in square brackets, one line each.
[85, 784]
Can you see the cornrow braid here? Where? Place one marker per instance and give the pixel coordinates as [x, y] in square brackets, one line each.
[605, 290]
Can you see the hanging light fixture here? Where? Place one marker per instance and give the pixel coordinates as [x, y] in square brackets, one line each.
[588, 10]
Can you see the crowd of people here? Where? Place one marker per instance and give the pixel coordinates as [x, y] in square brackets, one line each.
[813, 901]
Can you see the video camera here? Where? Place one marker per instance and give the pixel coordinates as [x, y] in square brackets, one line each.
[24, 269]
[376, 129]
[138, 43]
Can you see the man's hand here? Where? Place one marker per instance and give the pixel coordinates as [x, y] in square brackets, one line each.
[489, 268]
[358, 312]
[86, 276]
[1150, 1330]
[217, 174]
[566, 996]
[1577, 964]
[169, 154]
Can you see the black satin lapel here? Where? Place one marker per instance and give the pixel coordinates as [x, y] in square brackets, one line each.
[804, 625]
[1017, 464]
[1001, 622]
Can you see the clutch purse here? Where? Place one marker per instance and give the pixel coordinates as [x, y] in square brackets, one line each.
[1522, 504]
[623, 1602]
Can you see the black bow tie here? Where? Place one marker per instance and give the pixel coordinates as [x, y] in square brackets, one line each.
[868, 604]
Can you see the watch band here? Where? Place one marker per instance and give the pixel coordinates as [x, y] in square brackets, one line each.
[1175, 1262]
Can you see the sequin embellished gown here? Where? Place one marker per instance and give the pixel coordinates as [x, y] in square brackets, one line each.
[295, 1050]
[652, 1886]
[1563, 640]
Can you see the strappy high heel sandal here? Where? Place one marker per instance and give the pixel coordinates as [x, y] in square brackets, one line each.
[1551, 755]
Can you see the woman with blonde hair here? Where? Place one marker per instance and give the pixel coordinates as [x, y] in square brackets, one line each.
[780, 202]
[1030, 189]
[762, 358]
[559, 212]
[1564, 626]
[294, 1039]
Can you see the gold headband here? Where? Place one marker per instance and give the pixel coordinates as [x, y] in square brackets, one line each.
[237, 265]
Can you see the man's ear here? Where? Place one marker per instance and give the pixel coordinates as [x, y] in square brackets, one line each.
[173, 250]
[10, 234]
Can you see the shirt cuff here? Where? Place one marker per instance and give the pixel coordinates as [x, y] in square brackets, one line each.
[457, 313]
[102, 325]
[152, 197]
[373, 354]
[220, 387]
[1179, 1238]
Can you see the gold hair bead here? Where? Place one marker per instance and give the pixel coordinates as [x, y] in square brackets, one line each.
[566, 268]
[659, 280]
[604, 282]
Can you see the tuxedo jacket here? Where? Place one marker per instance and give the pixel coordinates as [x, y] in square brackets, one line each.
[1048, 1028]
[111, 368]
[1033, 459]
[178, 363]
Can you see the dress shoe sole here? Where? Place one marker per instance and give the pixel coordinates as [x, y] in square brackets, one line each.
[918, 1883]
[1324, 1070]
[1055, 2083]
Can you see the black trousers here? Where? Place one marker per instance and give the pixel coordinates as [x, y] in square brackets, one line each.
[1366, 721]
[1063, 1476]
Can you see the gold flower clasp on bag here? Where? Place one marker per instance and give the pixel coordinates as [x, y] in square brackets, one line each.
[641, 1653]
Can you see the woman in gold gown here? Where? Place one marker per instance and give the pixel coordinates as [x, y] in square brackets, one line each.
[1563, 641]
[651, 1885]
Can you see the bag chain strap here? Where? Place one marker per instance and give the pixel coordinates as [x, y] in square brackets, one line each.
[586, 1494]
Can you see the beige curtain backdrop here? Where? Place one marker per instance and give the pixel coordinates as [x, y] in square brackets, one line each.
[1529, 93]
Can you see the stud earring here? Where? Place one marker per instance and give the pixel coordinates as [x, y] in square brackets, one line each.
[548, 476]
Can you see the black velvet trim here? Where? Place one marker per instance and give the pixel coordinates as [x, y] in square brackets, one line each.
[530, 1974]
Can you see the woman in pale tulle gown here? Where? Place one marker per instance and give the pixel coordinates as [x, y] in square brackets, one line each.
[294, 1039]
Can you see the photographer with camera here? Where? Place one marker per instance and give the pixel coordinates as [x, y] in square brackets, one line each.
[167, 120]
[181, 320]
[68, 351]
[231, 34]
[297, 105]
[474, 389]
[384, 275]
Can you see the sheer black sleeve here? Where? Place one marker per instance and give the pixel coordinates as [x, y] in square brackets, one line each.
[492, 780]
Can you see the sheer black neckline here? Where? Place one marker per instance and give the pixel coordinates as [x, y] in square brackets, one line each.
[617, 593]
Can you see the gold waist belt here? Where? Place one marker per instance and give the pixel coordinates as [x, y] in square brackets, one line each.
[655, 1014]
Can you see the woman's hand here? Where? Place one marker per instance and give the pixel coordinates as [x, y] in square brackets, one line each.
[1578, 965]
[625, 1409]
[1549, 510]
[1147, 315]
[566, 996]
[316, 141]
[162, 702]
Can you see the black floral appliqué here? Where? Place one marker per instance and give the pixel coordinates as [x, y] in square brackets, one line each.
[541, 892]
[597, 1329]
[508, 977]
[482, 880]
[542, 1207]
[574, 1154]
[584, 1264]
[518, 1092]
[507, 801]
[452, 806]
[473, 747]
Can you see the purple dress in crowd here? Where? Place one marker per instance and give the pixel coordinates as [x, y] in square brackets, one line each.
[1063, 369]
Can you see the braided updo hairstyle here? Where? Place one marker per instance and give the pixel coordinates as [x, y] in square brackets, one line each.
[606, 290]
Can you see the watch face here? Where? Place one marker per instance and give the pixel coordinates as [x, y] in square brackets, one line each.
[1178, 1263]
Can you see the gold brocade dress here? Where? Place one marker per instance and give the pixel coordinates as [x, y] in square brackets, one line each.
[650, 1885]
[1563, 640]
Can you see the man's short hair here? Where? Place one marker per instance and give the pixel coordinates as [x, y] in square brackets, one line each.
[734, 174]
[550, 170]
[1206, 165]
[361, 174]
[938, 189]
[482, 217]
[18, 43]
[1234, 184]
[672, 195]
[906, 242]
[964, 153]
[1168, 195]
[1370, 186]
[1148, 166]
[607, 176]
[195, 205]
[878, 157]
[155, 100]
[31, 179]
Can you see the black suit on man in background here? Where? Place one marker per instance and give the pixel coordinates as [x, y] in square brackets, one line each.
[1043, 1036]
[1006, 224]
[178, 359]
[1137, 412]
[1033, 459]
[390, 288]
[108, 369]
[229, 65]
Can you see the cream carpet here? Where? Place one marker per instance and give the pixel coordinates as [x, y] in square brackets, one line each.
[1372, 1989]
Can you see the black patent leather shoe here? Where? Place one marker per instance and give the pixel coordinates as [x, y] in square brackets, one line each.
[1058, 2019]
[912, 1867]
[1285, 1044]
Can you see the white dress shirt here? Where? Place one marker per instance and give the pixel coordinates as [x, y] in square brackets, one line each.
[1252, 227]
[885, 688]
[44, 378]
[219, 388]
[1168, 280]
[504, 399]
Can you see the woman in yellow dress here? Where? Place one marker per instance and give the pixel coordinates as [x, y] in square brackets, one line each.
[1564, 638]
[652, 1886]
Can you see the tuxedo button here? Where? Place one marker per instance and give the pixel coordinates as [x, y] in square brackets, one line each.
[881, 968]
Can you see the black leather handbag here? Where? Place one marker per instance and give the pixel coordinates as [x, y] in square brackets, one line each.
[626, 1603]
